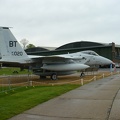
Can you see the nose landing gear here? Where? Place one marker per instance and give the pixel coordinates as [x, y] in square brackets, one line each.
[82, 74]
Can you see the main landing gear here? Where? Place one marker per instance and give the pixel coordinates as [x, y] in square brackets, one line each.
[54, 76]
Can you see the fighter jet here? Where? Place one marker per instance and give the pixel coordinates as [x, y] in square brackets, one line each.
[11, 53]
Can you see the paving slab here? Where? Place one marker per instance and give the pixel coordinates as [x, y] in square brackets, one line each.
[118, 96]
[115, 111]
[91, 94]
[98, 100]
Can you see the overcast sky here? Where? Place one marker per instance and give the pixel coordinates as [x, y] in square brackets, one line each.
[58, 22]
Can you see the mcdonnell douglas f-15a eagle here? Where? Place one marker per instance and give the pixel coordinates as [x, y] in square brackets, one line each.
[11, 53]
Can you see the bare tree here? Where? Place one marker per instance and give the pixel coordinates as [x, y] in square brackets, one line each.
[24, 42]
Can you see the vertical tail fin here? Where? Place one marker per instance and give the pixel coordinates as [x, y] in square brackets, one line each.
[10, 49]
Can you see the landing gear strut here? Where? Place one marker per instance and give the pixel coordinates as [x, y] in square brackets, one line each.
[82, 74]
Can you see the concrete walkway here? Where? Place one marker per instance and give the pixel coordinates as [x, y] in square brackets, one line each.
[98, 100]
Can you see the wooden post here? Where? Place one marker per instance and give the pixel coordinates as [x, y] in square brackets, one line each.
[82, 82]
[94, 78]
[31, 83]
[103, 75]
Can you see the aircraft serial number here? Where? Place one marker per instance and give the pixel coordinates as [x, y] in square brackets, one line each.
[17, 53]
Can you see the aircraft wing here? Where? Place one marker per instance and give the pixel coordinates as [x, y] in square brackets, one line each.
[48, 57]
[59, 59]
[65, 56]
[51, 59]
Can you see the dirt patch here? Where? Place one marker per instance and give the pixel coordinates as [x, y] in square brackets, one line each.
[71, 79]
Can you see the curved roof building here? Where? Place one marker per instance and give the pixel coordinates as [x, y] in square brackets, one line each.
[108, 50]
[79, 44]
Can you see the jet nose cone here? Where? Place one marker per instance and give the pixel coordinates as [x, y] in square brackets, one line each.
[107, 61]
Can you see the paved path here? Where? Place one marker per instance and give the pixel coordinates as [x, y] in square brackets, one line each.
[98, 100]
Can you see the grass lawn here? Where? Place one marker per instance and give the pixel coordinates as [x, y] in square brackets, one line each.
[10, 71]
[23, 99]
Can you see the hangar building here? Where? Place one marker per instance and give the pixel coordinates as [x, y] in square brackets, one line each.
[108, 50]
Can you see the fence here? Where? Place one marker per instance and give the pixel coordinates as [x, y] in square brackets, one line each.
[98, 77]
[8, 83]
[11, 82]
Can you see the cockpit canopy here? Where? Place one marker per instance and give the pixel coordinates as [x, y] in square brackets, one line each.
[90, 52]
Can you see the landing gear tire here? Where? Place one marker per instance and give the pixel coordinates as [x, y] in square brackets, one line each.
[54, 76]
